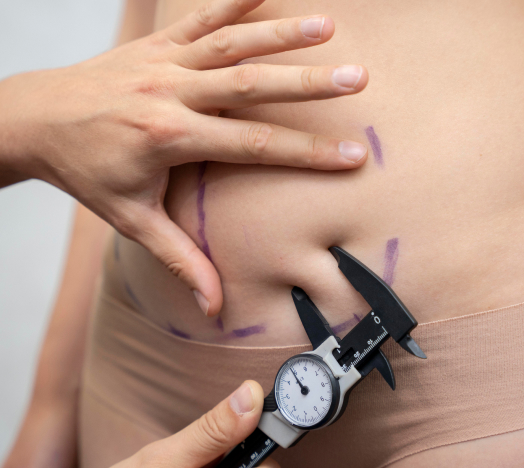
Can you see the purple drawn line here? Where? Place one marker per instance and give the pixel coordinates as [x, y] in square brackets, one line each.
[201, 171]
[116, 246]
[375, 145]
[243, 332]
[391, 258]
[220, 324]
[178, 333]
[133, 297]
[345, 325]
[200, 210]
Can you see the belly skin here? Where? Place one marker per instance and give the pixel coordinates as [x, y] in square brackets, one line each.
[438, 209]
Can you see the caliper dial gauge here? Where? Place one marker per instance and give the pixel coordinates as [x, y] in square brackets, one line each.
[307, 393]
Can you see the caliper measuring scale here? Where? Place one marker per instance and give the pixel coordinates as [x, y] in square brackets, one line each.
[311, 389]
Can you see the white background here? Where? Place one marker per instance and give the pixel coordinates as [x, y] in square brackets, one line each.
[35, 217]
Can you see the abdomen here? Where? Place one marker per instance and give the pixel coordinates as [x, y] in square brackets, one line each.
[437, 210]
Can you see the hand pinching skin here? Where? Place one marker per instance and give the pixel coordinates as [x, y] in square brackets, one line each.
[108, 130]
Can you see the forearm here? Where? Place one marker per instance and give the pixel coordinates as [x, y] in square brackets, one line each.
[18, 161]
[48, 433]
[61, 358]
[13, 162]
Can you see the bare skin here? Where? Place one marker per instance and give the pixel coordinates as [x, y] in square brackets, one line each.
[48, 433]
[438, 209]
[108, 130]
[206, 439]
[448, 188]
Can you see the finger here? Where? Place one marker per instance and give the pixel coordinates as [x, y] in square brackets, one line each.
[269, 463]
[226, 425]
[155, 231]
[209, 18]
[243, 142]
[251, 84]
[229, 45]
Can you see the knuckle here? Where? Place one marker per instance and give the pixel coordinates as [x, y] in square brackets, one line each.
[213, 431]
[154, 85]
[245, 79]
[256, 137]
[314, 152]
[158, 39]
[307, 78]
[180, 267]
[222, 41]
[162, 129]
[238, 4]
[280, 30]
[176, 268]
[126, 224]
[204, 15]
[158, 130]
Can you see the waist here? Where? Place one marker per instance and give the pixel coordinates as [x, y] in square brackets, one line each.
[467, 388]
[438, 273]
[437, 211]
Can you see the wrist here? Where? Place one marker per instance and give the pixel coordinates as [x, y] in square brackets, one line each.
[18, 161]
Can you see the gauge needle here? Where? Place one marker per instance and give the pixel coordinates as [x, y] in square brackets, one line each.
[303, 389]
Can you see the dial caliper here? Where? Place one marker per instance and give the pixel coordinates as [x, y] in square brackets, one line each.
[311, 389]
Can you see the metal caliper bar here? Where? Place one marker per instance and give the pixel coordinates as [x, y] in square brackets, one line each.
[249, 453]
[362, 348]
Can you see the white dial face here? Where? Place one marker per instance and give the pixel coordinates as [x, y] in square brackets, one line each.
[304, 391]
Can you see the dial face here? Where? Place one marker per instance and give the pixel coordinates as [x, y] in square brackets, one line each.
[304, 391]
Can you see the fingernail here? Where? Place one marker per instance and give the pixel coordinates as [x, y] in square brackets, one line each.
[242, 401]
[202, 301]
[347, 76]
[312, 27]
[352, 150]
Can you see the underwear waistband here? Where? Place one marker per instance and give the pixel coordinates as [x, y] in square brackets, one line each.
[470, 386]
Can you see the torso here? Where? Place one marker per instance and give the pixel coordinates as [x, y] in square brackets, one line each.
[437, 210]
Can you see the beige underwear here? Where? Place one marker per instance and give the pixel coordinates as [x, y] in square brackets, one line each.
[142, 383]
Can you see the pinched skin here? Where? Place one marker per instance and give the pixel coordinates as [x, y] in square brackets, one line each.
[438, 209]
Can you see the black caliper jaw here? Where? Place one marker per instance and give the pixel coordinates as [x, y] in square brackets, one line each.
[360, 348]
[358, 354]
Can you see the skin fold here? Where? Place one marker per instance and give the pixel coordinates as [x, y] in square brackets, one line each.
[437, 210]
[108, 130]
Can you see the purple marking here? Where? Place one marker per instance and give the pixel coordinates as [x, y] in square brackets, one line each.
[347, 324]
[375, 146]
[178, 333]
[133, 297]
[391, 260]
[243, 332]
[201, 170]
[220, 324]
[200, 210]
[116, 247]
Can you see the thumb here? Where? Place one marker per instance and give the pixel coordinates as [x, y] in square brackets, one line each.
[226, 425]
[177, 251]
